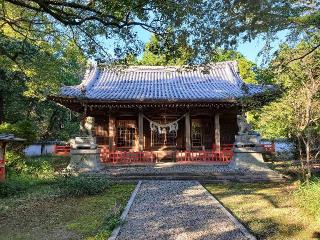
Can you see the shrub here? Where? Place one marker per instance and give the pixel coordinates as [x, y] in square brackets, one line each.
[40, 167]
[23, 129]
[19, 183]
[11, 187]
[307, 196]
[82, 185]
[23, 173]
[15, 162]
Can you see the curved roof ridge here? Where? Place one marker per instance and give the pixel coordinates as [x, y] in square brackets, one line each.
[232, 64]
[217, 81]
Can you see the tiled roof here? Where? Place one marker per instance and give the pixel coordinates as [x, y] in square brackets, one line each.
[217, 82]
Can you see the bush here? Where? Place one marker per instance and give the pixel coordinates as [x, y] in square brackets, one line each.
[23, 129]
[23, 173]
[82, 185]
[40, 167]
[15, 162]
[307, 197]
[19, 183]
[10, 188]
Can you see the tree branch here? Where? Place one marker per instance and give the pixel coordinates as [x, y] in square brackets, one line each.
[300, 57]
[71, 18]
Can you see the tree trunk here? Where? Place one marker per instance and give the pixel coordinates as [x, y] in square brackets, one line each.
[52, 119]
[301, 158]
[1, 108]
[308, 176]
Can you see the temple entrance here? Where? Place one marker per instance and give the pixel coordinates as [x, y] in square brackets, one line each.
[175, 137]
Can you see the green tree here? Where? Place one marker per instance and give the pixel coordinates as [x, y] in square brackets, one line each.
[31, 67]
[205, 24]
[161, 53]
[297, 113]
[247, 69]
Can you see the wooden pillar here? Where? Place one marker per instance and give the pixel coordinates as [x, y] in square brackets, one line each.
[140, 126]
[217, 130]
[188, 129]
[2, 161]
[112, 132]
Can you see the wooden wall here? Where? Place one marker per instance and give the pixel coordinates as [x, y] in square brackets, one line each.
[101, 130]
[228, 128]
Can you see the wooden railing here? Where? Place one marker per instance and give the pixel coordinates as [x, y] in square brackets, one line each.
[222, 147]
[2, 170]
[125, 156]
[223, 156]
[62, 150]
[116, 157]
[269, 148]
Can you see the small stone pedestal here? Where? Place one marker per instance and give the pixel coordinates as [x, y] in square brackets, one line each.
[248, 153]
[85, 160]
[244, 158]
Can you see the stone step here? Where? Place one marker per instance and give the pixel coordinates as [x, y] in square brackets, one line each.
[241, 178]
[188, 175]
[216, 174]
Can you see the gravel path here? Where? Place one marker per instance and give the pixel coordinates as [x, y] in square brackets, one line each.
[167, 168]
[178, 210]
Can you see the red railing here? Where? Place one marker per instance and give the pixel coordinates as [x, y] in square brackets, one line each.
[116, 157]
[62, 150]
[269, 148]
[125, 156]
[222, 147]
[224, 156]
[2, 170]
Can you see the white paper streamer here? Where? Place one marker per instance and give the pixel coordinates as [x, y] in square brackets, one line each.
[162, 128]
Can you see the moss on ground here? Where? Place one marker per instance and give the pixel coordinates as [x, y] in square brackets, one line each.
[270, 211]
[41, 215]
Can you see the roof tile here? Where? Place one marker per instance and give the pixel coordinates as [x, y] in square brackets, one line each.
[221, 82]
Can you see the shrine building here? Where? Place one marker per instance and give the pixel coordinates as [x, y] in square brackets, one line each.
[161, 111]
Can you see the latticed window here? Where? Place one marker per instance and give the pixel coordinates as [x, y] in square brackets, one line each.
[126, 133]
[196, 133]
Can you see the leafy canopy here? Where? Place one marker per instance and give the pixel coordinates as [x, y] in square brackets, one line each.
[205, 25]
[297, 112]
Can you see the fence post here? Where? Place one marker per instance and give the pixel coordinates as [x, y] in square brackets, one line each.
[2, 162]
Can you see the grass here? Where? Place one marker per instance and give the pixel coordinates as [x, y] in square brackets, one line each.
[38, 203]
[38, 214]
[270, 210]
[307, 196]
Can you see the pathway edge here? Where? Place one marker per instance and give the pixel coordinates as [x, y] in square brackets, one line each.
[242, 228]
[125, 212]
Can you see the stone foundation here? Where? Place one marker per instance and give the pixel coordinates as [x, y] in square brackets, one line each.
[245, 158]
[248, 153]
[85, 160]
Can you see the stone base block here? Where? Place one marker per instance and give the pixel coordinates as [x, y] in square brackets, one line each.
[85, 160]
[244, 159]
[248, 138]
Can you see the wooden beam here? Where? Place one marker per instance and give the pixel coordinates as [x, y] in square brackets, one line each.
[140, 126]
[188, 131]
[217, 130]
[112, 131]
[2, 161]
